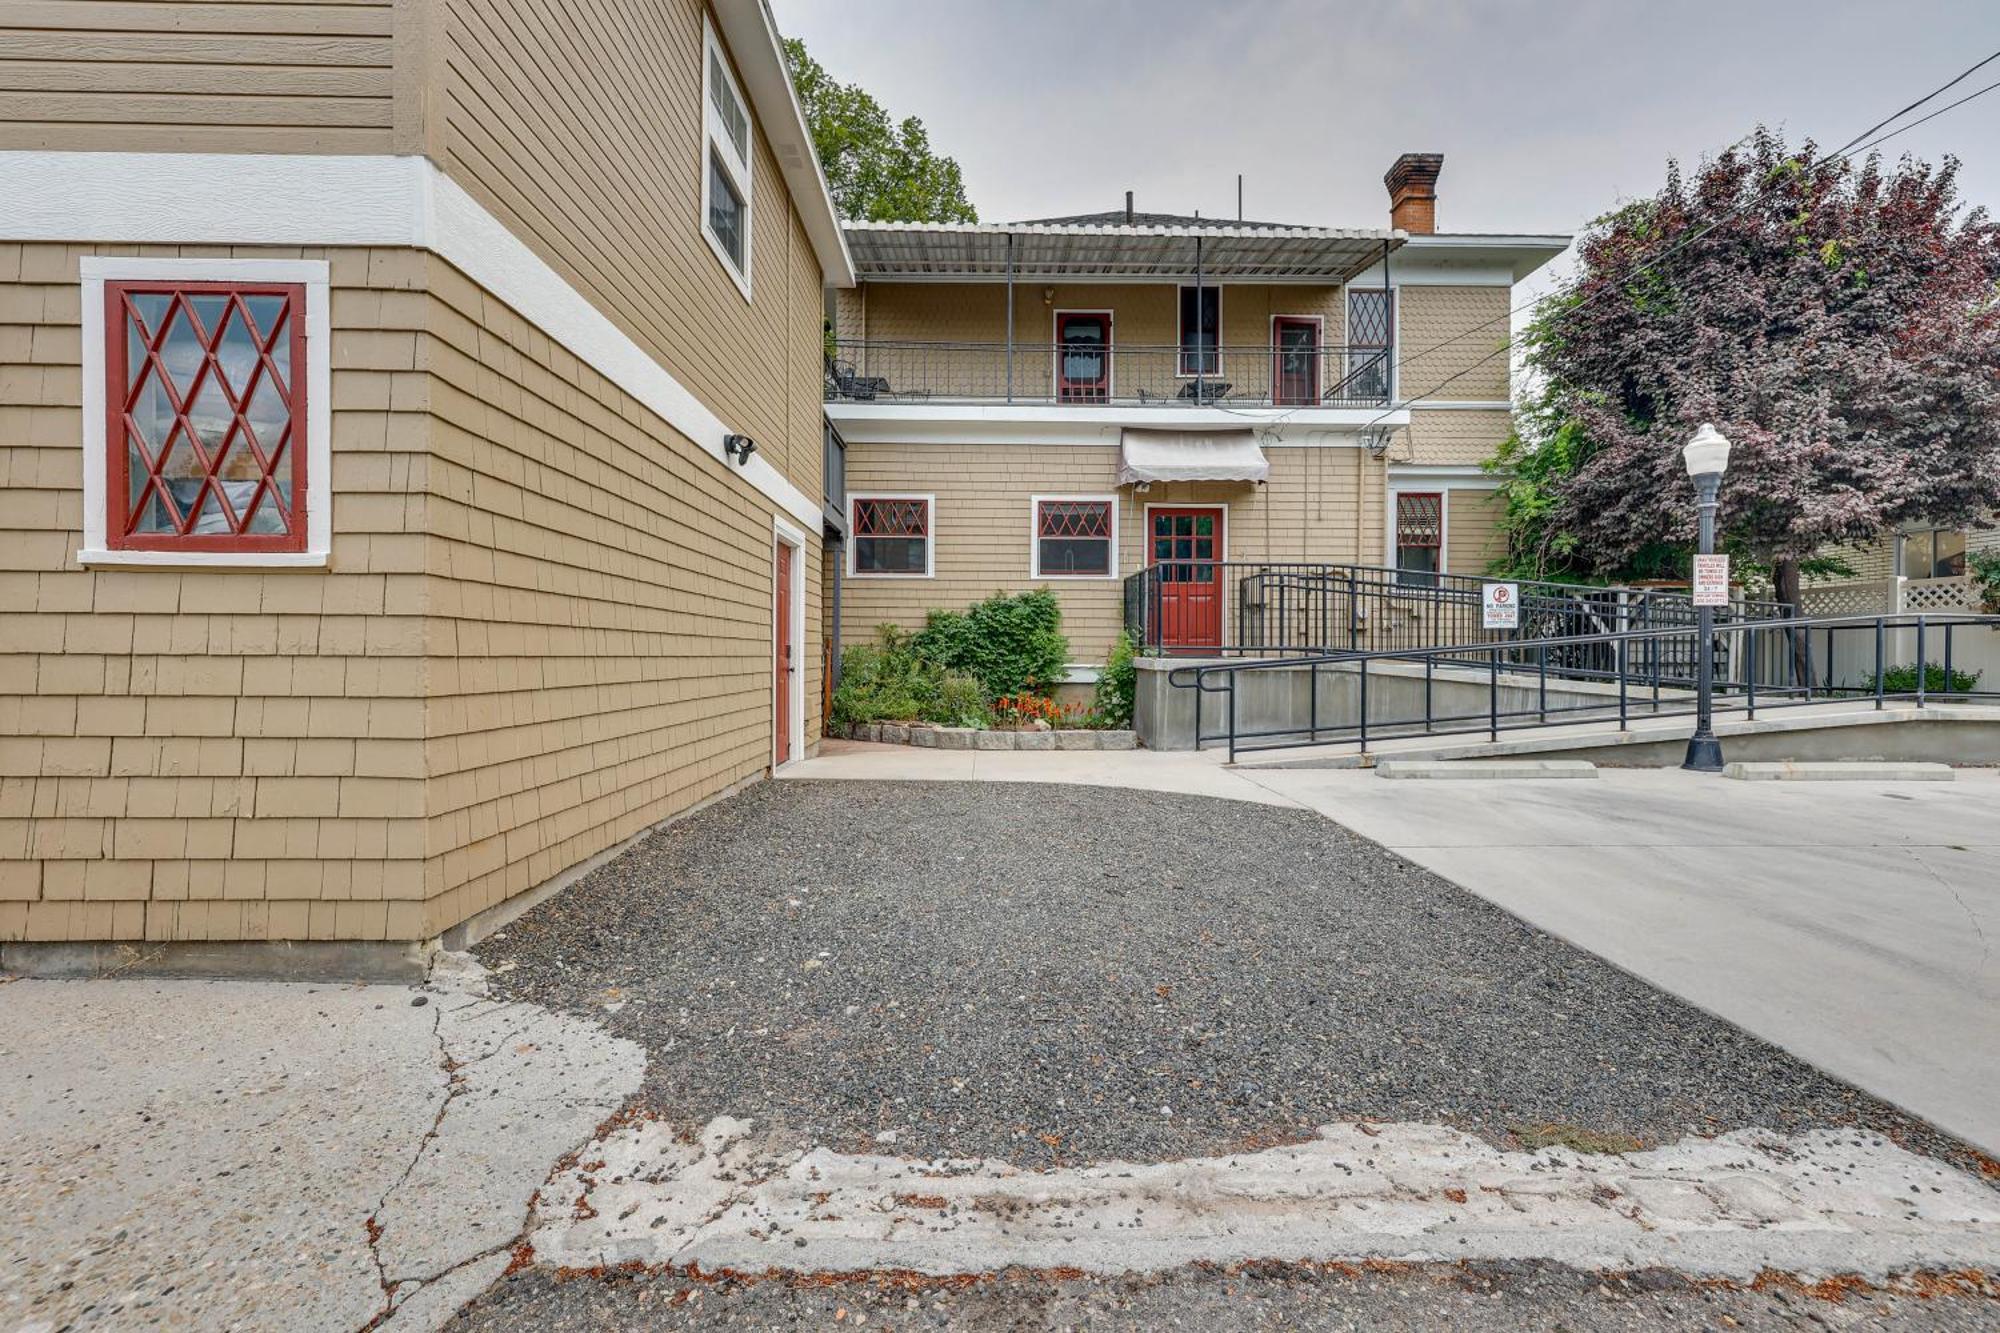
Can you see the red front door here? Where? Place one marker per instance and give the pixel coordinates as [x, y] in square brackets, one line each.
[1186, 552]
[781, 673]
[1295, 354]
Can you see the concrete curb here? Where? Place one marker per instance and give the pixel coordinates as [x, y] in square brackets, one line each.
[1485, 768]
[1839, 771]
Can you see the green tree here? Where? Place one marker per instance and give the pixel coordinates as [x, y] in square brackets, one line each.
[878, 171]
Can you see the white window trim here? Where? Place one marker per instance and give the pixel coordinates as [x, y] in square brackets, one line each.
[788, 539]
[1056, 350]
[715, 140]
[1442, 490]
[313, 275]
[1180, 331]
[1035, 503]
[854, 537]
[1395, 330]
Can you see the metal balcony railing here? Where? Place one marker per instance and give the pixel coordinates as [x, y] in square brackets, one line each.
[1121, 374]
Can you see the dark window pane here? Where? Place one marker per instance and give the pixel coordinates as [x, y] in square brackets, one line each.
[725, 211]
[1075, 555]
[889, 555]
[1201, 329]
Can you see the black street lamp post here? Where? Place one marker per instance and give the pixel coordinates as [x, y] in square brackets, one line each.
[1707, 458]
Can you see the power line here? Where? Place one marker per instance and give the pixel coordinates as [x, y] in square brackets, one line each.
[1840, 154]
[1845, 150]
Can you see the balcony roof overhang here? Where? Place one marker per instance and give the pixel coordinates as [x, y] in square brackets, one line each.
[1069, 252]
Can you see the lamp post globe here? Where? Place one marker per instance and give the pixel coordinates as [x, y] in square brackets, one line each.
[1707, 458]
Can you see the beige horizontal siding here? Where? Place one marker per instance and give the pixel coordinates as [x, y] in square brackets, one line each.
[1473, 540]
[244, 77]
[1319, 505]
[600, 616]
[216, 755]
[580, 126]
[547, 626]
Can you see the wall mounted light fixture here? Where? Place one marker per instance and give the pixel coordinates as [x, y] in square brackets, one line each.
[738, 447]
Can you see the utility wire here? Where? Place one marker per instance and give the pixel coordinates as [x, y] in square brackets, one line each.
[1837, 155]
[1845, 151]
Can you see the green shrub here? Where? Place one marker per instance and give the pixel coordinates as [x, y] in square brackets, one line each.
[1117, 684]
[1903, 680]
[1984, 566]
[1009, 644]
[888, 681]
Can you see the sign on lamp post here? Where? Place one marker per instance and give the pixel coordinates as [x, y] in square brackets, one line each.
[1711, 580]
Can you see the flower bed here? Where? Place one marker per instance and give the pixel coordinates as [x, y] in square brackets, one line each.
[929, 736]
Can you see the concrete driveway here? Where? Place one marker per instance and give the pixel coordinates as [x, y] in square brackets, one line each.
[1852, 923]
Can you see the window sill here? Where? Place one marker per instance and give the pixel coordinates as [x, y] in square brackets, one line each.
[265, 561]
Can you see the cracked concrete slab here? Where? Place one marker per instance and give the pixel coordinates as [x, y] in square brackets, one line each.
[1819, 1203]
[202, 1154]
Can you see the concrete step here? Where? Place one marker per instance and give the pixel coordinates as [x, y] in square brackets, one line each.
[1484, 768]
[1839, 771]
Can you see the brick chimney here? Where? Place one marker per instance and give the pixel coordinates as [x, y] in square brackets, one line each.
[1413, 196]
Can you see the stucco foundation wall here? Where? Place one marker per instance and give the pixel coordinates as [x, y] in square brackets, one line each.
[1320, 504]
[213, 755]
[600, 635]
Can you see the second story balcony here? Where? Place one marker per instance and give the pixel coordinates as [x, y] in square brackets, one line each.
[1295, 370]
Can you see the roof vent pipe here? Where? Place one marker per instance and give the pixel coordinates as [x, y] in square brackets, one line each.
[1128, 208]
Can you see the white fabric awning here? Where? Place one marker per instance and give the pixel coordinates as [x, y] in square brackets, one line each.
[1180, 455]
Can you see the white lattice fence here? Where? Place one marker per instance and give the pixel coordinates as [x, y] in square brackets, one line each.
[1954, 594]
[1873, 598]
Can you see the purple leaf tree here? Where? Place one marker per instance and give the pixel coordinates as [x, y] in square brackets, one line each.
[1838, 322]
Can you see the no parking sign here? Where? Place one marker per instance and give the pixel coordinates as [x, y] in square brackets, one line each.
[1500, 606]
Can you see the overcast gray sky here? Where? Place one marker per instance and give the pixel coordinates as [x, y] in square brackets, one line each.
[1547, 111]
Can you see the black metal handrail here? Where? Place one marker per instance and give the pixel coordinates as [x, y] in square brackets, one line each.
[875, 370]
[1783, 663]
[1266, 608]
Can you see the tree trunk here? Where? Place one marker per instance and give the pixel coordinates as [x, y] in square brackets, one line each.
[1785, 583]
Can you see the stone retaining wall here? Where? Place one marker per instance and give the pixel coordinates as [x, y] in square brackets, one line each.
[970, 738]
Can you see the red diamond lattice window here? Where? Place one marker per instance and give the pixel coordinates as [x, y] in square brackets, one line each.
[891, 518]
[1075, 518]
[206, 416]
[1419, 520]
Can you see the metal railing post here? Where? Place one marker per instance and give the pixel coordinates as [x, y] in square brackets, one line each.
[1232, 711]
[1542, 684]
[1493, 694]
[1880, 655]
[1920, 662]
[1624, 661]
[1364, 705]
[1353, 611]
[1312, 699]
[1750, 669]
[1430, 670]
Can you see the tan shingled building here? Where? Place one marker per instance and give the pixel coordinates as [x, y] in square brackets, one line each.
[1315, 395]
[376, 544]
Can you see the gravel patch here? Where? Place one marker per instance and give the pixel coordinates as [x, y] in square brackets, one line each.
[1505, 1298]
[1063, 974]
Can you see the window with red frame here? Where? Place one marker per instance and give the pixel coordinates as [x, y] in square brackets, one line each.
[1072, 538]
[206, 416]
[1419, 536]
[891, 536]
